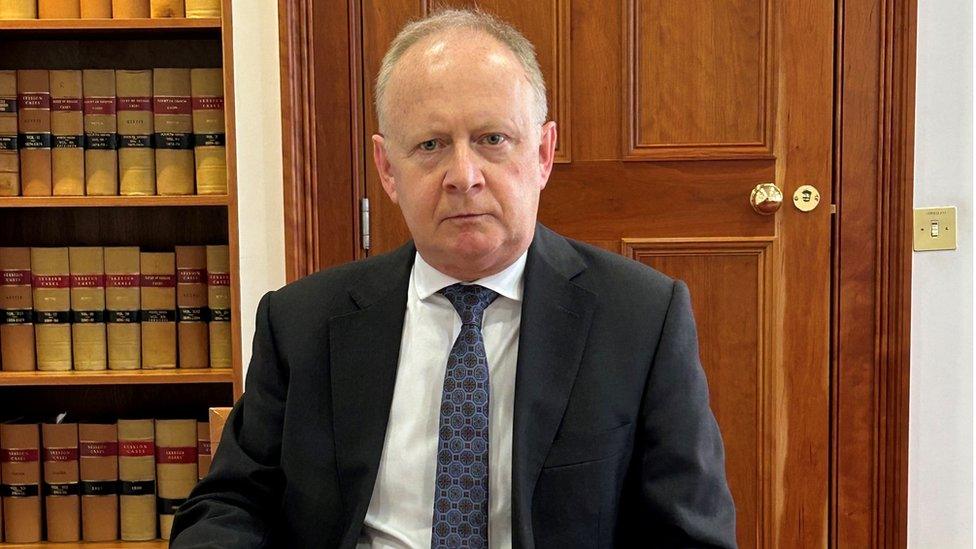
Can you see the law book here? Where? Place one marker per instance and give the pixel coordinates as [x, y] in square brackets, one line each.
[166, 8]
[202, 8]
[9, 158]
[96, 9]
[17, 310]
[208, 130]
[18, 9]
[122, 328]
[34, 131]
[130, 9]
[67, 134]
[98, 465]
[176, 467]
[218, 299]
[52, 305]
[204, 455]
[101, 139]
[173, 126]
[20, 482]
[88, 341]
[137, 479]
[191, 302]
[137, 162]
[58, 9]
[158, 309]
[62, 506]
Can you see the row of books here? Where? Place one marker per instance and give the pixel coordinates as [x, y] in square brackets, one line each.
[118, 308]
[98, 481]
[107, 9]
[109, 132]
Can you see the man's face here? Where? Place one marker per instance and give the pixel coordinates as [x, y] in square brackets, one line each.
[461, 154]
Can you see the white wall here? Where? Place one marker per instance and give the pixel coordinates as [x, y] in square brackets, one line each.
[259, 170]
[940, 459]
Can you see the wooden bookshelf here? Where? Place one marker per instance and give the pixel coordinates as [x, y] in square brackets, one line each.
[154, 544]
[80, 26]
[112, 201]
[118, 377]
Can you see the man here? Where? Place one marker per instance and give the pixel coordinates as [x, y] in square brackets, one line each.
[491, 383]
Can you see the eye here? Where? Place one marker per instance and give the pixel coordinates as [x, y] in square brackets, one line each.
[494, 139]
[428, 146]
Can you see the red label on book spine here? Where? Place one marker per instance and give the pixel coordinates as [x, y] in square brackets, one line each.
[51, 281]
[203, 447]
[191, 276]
[218, 279]
[99, 105]
[136, 448]
[41, 100]
[171, 105]
[208, 103]
[157, 281]
[134, 103]
[99, 449]
[18, 455]
[121, 280]
[176, 454]
[87, 280]
[15, 277]
[62, 104]
[60, 454]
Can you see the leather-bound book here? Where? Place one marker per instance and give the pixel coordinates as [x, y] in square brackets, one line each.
[52, 306]
[130, 9]
[191, 301]
[204, 455]
[17, 310]
[166, 8]
[137, 164]
[202, 8]
[58, 9]
[101, 138]
[20, 482]
[158, 309]
[67, 134]
[137, 479]
[62, 508]
[208, 130]
[18, 9]
[176, 467]
[34, 131]
[218, 298]
[173, 126]
[96, 9]
[98, 449]
[9, 159]
[88, 308]
[123, 331]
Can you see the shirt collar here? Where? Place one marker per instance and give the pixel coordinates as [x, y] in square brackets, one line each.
[507, 282]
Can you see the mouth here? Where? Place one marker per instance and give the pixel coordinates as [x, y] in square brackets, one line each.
[465, 217]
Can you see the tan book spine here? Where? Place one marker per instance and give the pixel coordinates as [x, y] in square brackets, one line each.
[130, 9]
[96, 9]
[191, 302]
[34, 131]
[173, 125]
[218, 292]
[137, 164]
[52, 305]
[9, 157]
[17, 310]
[62, 506]
[202, 8]
[58, 9]
[208, 130]
[67, 134]
[88, 308]
[20, 482]
[166, 8]
[18, 9]
[158, 309]
[101, 133]
[123, 331]
[176, 467]
[98, 450]
[137, 476]
[204, 454]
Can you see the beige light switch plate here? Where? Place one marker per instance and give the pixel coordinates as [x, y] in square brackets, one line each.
[935, 229]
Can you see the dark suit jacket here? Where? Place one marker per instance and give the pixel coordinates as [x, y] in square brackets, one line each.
[614, 443]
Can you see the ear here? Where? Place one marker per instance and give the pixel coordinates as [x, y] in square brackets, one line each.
[547, 150]
[382, 162]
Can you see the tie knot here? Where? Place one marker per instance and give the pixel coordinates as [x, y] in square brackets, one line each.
[470, 301]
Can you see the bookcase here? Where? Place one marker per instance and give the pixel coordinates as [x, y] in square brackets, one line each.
[153, 223]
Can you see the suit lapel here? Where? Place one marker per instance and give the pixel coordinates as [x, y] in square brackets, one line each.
[556, 315]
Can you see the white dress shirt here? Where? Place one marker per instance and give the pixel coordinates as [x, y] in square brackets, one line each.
[401, 509]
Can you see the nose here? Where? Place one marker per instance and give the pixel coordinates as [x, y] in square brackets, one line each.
[464, 170]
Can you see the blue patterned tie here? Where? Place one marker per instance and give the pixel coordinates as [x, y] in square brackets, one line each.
[461, 491]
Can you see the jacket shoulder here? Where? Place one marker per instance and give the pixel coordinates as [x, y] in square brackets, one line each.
[607, 269]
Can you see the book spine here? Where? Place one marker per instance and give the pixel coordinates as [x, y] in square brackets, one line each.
[208, 130]
[88, 308]
[137, 170]
[204, 454]
[20, 482]
[130, 9]
[34, 131]
[9, 158]
[67, 134]
[158, 312]
[58, 9]
[218, 298]
[176, 467]
[18, 9]
[202, 8]
[16, 311]
[123, 330]
[96, 9]
[52, 305]
[61, 490]
[173, 126]
[191, 302]
[166, 8]
[101, 138]
[98, 450]
[137, 479]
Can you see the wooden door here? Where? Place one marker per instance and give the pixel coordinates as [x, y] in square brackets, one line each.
[670, 112]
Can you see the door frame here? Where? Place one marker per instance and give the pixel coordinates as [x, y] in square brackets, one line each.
[875, 53]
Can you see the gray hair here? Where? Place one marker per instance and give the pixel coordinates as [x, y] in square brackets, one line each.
[451, 19]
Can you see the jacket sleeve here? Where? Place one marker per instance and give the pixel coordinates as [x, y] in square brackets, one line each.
[233, 505]
[685, 499]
